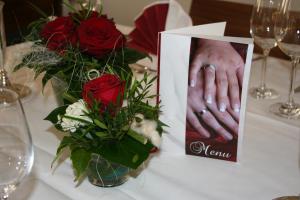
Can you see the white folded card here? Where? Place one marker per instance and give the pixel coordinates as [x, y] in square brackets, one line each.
[203, 81]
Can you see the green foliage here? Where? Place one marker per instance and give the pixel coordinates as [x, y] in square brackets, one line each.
[128, 151]
[53, 116]
[110, 135]
[137, 136]
[66, 141]
[80, 160]
[73, 66]
[35, 28]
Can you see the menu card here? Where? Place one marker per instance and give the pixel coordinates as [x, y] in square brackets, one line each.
[203, 82]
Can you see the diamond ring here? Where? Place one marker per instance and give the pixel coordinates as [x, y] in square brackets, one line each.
[212, 66]
[202, 112]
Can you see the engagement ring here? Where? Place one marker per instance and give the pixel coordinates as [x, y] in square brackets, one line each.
[212, 66]
[202, 112]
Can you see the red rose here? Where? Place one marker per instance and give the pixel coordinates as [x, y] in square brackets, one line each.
[59, 33]
[106, 89]
[99, 36]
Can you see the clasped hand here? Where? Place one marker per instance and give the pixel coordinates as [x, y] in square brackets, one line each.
[214, 91]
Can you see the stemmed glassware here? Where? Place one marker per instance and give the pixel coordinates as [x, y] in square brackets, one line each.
[22, 90]
[261, 29]
[16, 149]
[287, 34]
[95, 5]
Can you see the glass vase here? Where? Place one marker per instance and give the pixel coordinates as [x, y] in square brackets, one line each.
[59, 86]
[104, 173]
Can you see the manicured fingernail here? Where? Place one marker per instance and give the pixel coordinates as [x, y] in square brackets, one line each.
[236, 108]
[209, 99]
[222, 107]
[193, 83]
[228, 136]
[206, 135]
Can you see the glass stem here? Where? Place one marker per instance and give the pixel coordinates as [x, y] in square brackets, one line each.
[295, 61]
[264, 69]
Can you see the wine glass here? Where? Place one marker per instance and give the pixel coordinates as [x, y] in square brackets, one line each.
[261, 29]
[94, 5]
[22, 90]
[287, 34]
[16, 150]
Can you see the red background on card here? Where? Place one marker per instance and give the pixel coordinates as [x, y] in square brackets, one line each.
[217, 144]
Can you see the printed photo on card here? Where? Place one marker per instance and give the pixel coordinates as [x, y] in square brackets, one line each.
[203, 81]
[216, 71]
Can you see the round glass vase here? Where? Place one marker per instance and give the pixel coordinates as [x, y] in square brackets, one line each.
[103, 173]
[59, 86]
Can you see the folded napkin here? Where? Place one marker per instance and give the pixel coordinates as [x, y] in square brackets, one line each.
[156, 17]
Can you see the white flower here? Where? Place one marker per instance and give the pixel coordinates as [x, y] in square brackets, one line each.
[76, 110]
[52, 18]
[147, 128]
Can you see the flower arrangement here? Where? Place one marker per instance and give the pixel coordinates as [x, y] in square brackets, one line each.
[106, 110]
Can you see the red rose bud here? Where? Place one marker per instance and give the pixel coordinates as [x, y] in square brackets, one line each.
[107, 89]
[59, 33]
[99, 36]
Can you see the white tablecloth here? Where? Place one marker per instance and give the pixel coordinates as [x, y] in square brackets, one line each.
[269, 167]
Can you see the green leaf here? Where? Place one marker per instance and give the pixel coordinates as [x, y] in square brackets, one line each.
[48, 75]
[52, 117]
[100, 124]
[101, 134]
[66, 141]
[160, 123]
[132, 56]
[135, 158]
[125, 127]
[128, 152]
[152, 80]
[19, 66]
[160, 126]
[151, 96]
[80, 159]
[136, 136]
[69, 97]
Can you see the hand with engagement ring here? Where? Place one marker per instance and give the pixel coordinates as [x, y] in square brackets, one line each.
[202, 115]
[223, 67]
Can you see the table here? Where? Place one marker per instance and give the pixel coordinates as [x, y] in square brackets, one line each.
[269, 167]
